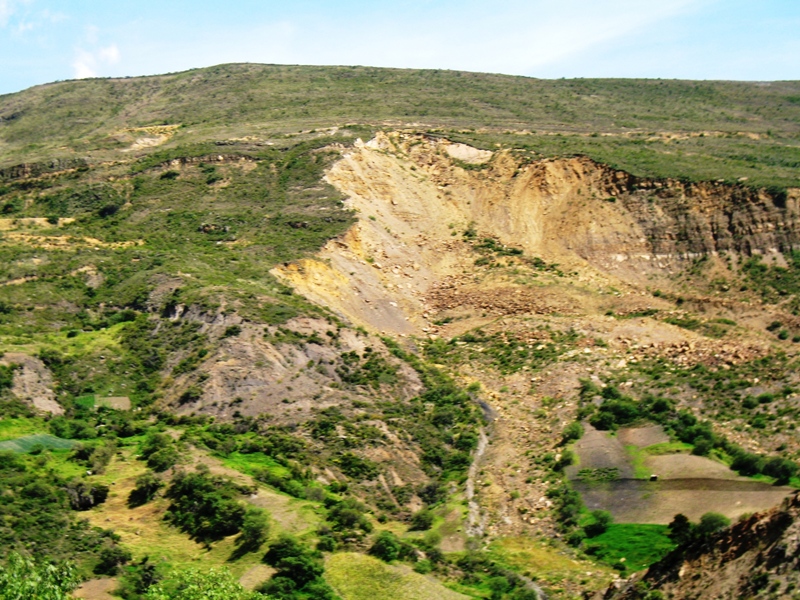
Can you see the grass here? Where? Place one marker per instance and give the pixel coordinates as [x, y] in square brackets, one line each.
[638, 457]
[541, 561]
[249, 464]
[640, 546]
[668, 448]
[361, 577]
[739, 129]
[12, 428]
[144, 531]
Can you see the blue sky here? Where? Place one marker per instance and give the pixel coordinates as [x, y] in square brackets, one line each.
[47, 40]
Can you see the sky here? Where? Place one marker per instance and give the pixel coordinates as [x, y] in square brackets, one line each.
[48, 40]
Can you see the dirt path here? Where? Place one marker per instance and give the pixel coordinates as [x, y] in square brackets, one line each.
[476, 522]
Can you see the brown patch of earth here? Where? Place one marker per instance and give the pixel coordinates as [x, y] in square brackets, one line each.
[96, 589]
[638, 501]
[642, 436]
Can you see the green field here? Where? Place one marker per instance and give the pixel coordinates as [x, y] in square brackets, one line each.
[360, 577]
[639, 546]
[45, 440]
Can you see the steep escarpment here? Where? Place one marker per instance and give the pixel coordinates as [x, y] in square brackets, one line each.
[758, 557]
[421, 208]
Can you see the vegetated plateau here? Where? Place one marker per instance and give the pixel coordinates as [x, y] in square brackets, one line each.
[350, 332]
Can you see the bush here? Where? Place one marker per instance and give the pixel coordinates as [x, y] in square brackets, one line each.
[422, 520]
[357, 467]
[572, 432]
[254, 531]
[147, 486]
[23, 578]
[601, 519]
[111, 558]
[781, 469]
[386, 547]
[192, 584]
[163, 459]
[712, 522]
[84, 495]
[299, 571]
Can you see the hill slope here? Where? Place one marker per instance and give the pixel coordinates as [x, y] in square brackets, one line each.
[448, 344]
[705, 130]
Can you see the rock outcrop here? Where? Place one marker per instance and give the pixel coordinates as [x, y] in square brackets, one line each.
[758, 557]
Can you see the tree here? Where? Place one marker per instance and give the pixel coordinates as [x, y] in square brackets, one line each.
[781, 469]
[255, 530]
[192, 584]
[386, 546]
[23, 579]
[681, 530]
[147, 486]
[422, 520]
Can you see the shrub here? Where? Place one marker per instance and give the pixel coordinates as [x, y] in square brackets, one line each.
[572, 432]
[422, 520]
[147, 486]
[781, 469]
[163, 459]
[601, 519]
[254, 531]
[23, 578]
[111, 558]
[712, 522]
[386, 546]
[192, 584]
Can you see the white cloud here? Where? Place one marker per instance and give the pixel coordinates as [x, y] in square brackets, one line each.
[9, 9]
[53, 17]
[109, 55]
[84, 65]
[88, 64]
[6, 10]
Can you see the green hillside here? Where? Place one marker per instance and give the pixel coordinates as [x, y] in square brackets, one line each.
[737, 129]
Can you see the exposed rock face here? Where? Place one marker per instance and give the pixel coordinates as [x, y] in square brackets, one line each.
[26, 170]
[757, 557]
[414, 202]
[33, 383]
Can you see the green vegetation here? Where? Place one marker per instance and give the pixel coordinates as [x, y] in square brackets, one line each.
[36, 443]
[683, 532]
[776, 284]
[683, 426]
[648, 127]
[192, 584]
[127, 272]
[299, 573]
[630, 547]
[504, 351]
[22, 578]
[40, 498]
[361, 577]
[205, 506]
